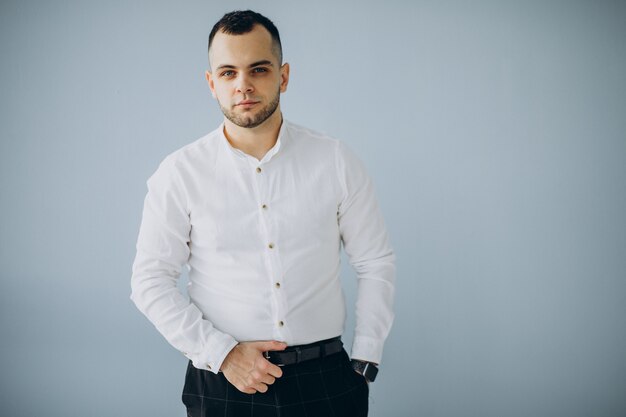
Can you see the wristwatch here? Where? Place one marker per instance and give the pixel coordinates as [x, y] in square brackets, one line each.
[368, 369]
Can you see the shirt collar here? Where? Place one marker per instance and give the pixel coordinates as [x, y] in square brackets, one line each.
[282, 136]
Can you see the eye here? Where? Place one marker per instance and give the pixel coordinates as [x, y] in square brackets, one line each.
[227, 73]
[259, 70]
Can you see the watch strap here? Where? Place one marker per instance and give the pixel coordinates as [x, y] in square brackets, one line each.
[368, 369]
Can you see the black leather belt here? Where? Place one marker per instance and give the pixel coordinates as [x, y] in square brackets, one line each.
[301, 353]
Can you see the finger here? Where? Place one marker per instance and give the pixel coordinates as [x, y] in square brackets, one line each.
[273, 370]
[266, 367]
[257, 376]
[247, 390]
[267, 379]
[260, 387]
[270, 345]
[243, 386]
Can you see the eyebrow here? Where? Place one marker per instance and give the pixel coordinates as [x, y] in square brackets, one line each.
[254, 64]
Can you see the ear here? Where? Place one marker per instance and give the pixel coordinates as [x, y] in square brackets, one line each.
[209, 80]
[284, 77]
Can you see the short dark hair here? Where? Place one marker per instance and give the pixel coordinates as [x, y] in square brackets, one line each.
[243, 21]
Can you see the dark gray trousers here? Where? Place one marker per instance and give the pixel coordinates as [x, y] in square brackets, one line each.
[321, 387]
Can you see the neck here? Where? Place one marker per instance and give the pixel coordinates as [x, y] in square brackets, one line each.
[254, 141]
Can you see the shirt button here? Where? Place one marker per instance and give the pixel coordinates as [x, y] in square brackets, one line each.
[277, 285]
[264, 206]
[281, 323]
[271, 246]
[258, 169]
[208, 366]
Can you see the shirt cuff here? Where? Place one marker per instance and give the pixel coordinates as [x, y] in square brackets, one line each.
[367, 349]
[212, 359]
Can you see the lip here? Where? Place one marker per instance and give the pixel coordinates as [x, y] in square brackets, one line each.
[247, 103]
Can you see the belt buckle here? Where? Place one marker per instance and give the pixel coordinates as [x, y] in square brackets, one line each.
[266, 355]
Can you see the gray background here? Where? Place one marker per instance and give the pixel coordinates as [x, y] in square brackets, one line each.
[495, 134]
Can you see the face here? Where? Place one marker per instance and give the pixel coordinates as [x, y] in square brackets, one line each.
[246, 77]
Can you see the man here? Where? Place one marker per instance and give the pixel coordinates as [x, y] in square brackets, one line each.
[258, 210]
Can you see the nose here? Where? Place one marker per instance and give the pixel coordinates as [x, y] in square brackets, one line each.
[244, 85]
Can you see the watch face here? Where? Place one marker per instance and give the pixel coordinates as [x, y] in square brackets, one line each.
[370, 372]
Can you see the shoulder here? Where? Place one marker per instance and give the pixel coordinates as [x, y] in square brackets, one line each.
[199, 152]
[310, 141]
[306, 136]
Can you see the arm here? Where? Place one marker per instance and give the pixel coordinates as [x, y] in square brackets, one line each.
[162, 249]
[367, 246]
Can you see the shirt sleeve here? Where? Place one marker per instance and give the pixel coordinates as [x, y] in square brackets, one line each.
[162, 250]
[366, 243]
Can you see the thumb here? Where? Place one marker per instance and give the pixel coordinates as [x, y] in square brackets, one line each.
[271, 345]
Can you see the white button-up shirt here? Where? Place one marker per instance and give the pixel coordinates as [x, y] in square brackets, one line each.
[262, 242]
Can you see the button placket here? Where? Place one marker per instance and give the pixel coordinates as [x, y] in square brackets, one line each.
[271, 251]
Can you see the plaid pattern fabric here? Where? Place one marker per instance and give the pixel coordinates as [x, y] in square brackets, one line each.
[321, 387]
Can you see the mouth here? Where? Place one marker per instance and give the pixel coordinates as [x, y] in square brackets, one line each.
[247, 103]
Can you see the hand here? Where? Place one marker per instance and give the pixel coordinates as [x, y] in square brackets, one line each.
[247, 369]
